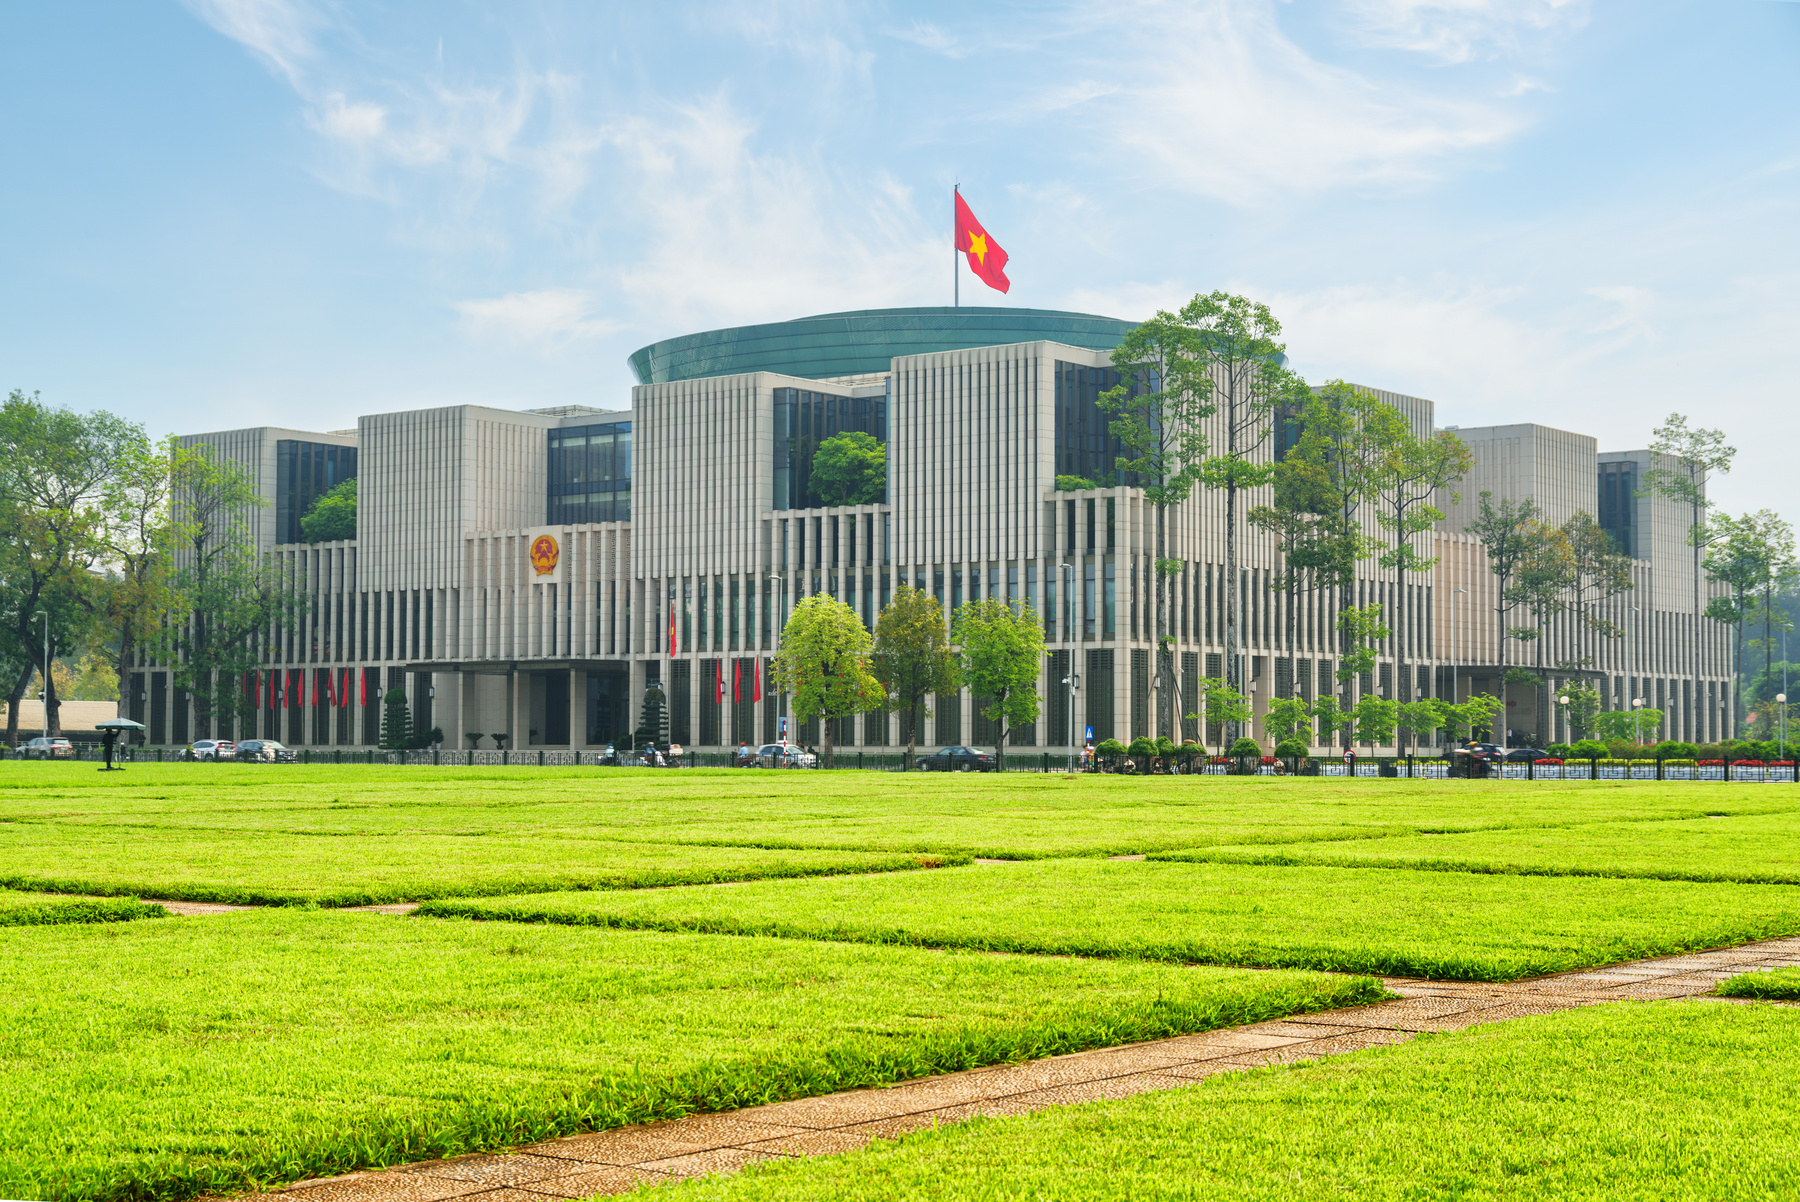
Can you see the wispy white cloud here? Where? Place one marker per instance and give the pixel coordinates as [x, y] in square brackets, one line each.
[927, 36]
[279, 32]
[549, 317]
[1459, 30]
[1220, 102]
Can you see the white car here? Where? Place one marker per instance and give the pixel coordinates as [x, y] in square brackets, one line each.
[784, 755]
[212, 749]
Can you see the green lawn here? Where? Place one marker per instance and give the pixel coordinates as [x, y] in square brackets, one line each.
[1757, 848]
[355, 870]
[1781, 984]
[1633, 1101]
[50, 909]
[1014, 816]
[1388, 921]
[159, 1059]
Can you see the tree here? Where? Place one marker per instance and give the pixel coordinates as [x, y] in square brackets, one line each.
[1001, 653]
[1507, 531]
[1157, 413]
[653, 718]
[1226, 708]
[850, 469]
[1338, 441]
[1074, 484]
[1685, 458]
[1583, 707]
[913, 658]
[1747, 555]
[333, 516]
[1237, 343]
[1333, 719]
[1375, 719]
[1480, 712]
[1362, 630]
[1288, 718]
[1599, 572]
[1409, 474]
[1544, 573]
[396, 721]
[54, 466]
[1302, 500]
[1418, 719]
[232, 596]
[823, 664]
[137, 540]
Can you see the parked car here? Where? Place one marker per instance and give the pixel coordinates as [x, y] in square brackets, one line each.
[785, 755]
[48, 749]
[212, 749]
[266, 751]
[957, 759]
[1525, 755]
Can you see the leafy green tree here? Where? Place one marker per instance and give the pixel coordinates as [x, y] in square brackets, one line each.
[1507, 530]
[1074, 484]
[1158, 414]
[332, 517]
[1363, 632]
[1225, 707]
[1545, 573]
[850, 469]
[1480, 712]
[233, 597]
[1686, 457]
[1340, 446]
[1001, 650]
[1418, 719]
[1302, 499]
[1333, 720]
[913, 658]
[823, 664]
[1629, 726]
[396, 721]
[1376, 719]
[54, 469]
[1747, 555]
[1409, 474]
[1583, 708]
[1599, 572]
[1288, 718]
[138, 597]
[1237, 341]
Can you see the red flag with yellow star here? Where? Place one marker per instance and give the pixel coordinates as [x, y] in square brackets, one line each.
[986, 259]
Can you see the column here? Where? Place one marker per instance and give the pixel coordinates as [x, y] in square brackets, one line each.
[518, 705]
[578, 708]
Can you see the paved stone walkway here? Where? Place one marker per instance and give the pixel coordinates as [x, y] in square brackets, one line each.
[615, 1161]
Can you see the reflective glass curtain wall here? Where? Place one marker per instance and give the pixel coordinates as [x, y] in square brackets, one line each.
[304, 472]
[590, 474]
[1084, 447]
[803, 420]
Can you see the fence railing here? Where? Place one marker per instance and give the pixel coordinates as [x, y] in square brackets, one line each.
[1398, 767]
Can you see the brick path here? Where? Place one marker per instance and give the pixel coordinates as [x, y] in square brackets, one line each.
[615, 1161]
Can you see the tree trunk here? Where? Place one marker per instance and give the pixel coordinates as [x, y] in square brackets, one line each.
[52, 704]
[1000, 730]
[1696, 728]
[911, 718]
[12, 707]
[825, 726]
[127, 652]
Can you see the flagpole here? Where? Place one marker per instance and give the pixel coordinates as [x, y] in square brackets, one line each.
[955, 264]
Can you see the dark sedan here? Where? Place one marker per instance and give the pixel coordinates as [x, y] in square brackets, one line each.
[1526, 755]
[957, 759]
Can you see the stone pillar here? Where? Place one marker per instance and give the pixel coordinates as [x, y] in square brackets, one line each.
[578, 709]
[518, 709]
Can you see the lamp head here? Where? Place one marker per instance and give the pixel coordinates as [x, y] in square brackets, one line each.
[1781, 698]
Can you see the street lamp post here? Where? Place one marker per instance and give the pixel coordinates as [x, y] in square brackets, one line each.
[1564, 700]
[1781, 700]
[1072, 680]
[780, 583]
[1637, 726]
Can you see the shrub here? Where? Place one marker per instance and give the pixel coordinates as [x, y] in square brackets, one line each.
[1110, 747]
[1589, 749]
[1669, 749]
[1166, 746]
[1142, 747]
[1245, 747]
[1560, 750]
[1074, 484]
[1292, 749]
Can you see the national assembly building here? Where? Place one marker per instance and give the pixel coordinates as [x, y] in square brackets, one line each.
[531, 573]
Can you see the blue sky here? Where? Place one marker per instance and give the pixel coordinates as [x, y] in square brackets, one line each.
[231, 212]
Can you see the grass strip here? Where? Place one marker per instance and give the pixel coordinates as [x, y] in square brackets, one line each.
[1759, 849]
[1384, 921]
[261, 868]
[48, 909]
[1012, 816]
[211, 1056]
[1643, 1101]
[1779, 984]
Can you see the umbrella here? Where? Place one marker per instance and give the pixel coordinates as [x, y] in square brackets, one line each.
[111, 728]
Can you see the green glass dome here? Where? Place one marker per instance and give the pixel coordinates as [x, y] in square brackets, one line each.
[863, 342]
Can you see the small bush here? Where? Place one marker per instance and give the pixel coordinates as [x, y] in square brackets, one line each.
[1292, 749]
[1245, 747]
[1142, 746]
[1669, 749]
[1589, 749]
[1110, 747]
